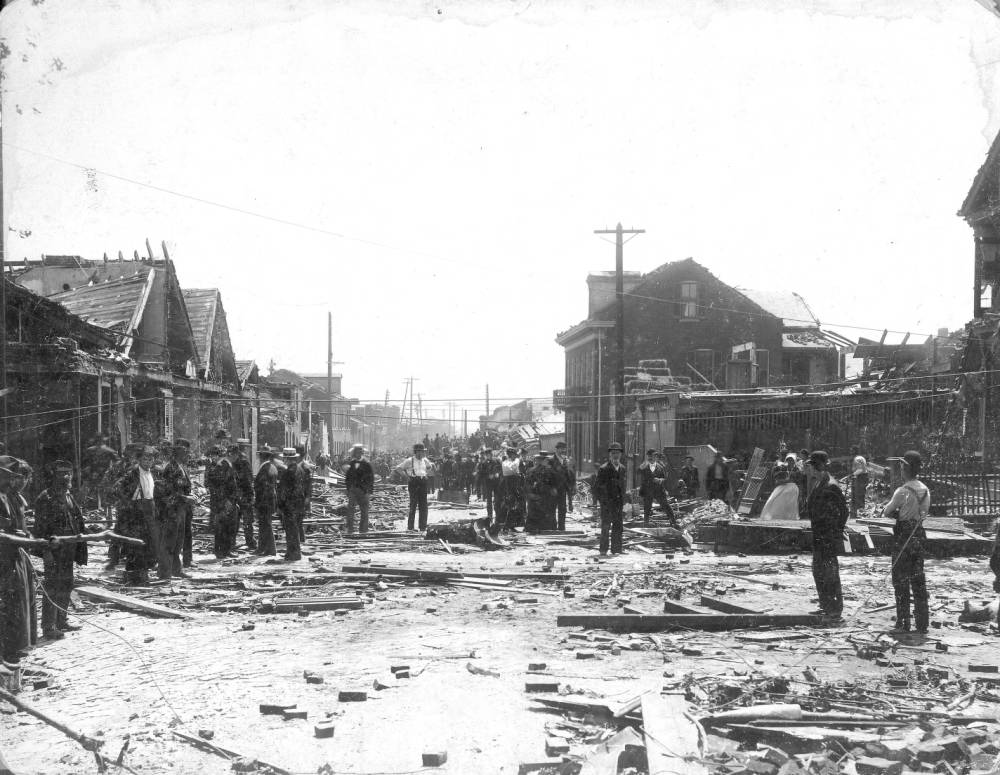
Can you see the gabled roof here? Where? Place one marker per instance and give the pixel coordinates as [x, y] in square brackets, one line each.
[46, 311]
[984, 186]
[117, 305]
[244, 370]
[787, 305]
[312, 389]
[202, 304]
[53, 277]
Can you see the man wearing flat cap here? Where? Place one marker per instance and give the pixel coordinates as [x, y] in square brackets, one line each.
[610, 488]
[57, 514]
[418, 471]
[827, 510]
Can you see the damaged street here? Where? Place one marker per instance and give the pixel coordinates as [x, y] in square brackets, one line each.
[473, 654]
[500, 388]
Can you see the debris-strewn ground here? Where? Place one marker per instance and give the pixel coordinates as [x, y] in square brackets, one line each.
[467, 650]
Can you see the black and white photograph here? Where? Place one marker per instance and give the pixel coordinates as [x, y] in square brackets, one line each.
[500, 387]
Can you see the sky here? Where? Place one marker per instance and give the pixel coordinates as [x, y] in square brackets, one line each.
[433, 173]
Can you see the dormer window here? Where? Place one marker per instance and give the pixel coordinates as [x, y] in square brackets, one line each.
[688, 305]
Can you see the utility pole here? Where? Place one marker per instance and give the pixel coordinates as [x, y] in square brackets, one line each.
[329, 380]
[619, 233]
[3, 293]
[487, 400]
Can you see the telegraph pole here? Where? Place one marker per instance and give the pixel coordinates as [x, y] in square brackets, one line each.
[619, 233]
[329, 380]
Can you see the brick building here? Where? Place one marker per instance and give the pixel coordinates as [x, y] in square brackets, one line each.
[711, 336]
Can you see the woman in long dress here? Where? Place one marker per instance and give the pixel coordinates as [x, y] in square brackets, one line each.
[784, 501]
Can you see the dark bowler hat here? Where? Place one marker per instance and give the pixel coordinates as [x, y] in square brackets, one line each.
[560, 445]
[265, 451]
[418, 447]
[913, 459]
[615, 447]
[819, 458]
[650, 451]
[222, 433]
[61, 466]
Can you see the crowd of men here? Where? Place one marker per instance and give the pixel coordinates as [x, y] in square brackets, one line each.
[149, 492]
[519, 488]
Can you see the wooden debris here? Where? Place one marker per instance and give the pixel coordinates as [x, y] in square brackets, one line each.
[132, 604]
[290, 604]
[725, 606]
[658, 622]
[88, 743]
[225, 753]
[671, 737]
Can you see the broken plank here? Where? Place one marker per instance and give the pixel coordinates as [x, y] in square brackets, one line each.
[671, 736]
[225, 753]
[317, 604]
[658, 622]
[129, 603]
[607, 756]
[605, 707]
[725, 606]
[433, 573]
[672, 607]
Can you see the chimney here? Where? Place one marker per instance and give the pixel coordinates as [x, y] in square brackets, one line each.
[601, 286]
[942, 333]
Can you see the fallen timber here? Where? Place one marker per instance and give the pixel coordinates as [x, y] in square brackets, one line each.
[714, 622]
[80, 538]
[432, 574]
[129, 603]
[88, 743]
[867, 536]
[225, 753]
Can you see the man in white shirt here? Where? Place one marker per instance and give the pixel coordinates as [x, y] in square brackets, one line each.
[418, 470]
[910, 505]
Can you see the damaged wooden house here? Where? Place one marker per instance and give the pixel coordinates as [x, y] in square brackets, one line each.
[120, 349]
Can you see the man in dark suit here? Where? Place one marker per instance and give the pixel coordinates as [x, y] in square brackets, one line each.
[610, 488]
[689, 478]
[652, 474]
[826, 507]
[562, 465]
[488, 473]
[359, 479]
[57, 514]
[265, 501]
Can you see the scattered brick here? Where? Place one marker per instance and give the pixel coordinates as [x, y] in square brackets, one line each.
[273, 709]
[346, 696]
[434, 758]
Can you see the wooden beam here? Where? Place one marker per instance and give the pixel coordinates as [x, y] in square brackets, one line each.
[131, 603]
[432, 573]
[671, 737]
[225, 753]
[726, 607]
[670, 607]
[716, 622]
